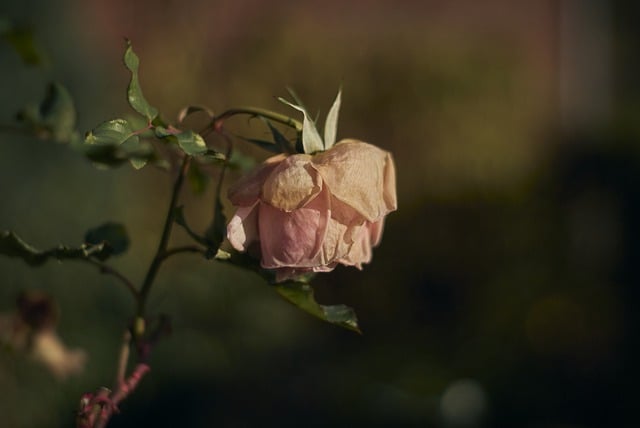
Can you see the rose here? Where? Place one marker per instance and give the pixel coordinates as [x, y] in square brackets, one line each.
[308, 213]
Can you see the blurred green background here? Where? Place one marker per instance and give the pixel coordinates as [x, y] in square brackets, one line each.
[504, 291]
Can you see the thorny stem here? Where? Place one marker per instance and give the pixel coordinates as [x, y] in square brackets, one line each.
[96, 409]
[254, 111]
[164, 239]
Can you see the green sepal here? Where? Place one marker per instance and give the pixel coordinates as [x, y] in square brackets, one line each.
[280, 140]
[135, 97]
[113, 235]
[11, 245]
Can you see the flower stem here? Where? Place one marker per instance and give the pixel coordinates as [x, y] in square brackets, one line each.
[164, 239]
[254, 111]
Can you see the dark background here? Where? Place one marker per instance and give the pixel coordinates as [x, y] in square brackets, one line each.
[504, 292]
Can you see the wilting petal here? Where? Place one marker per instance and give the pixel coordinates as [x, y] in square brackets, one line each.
[247, 190]
[375, 232]
[344, 213]
[334, 245]
[243, 227]
[354, 172]
[360, 250]
[390, 184]
[293, 238]
[292, 184]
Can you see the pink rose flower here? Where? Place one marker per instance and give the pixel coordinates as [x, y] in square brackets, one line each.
[308, 213]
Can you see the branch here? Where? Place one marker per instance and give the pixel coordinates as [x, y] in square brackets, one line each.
[96, 409]
[164, 239]
[186, 249]
[108, 270]
[254, 111]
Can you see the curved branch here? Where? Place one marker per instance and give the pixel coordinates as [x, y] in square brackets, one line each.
[109, 270]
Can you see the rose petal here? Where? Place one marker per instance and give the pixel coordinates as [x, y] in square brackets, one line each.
[292, 183]
[360, 250]
[354, 172]
[375, 232]
[242, 230]
[247, 190]
[344, 213]
[293, 238]
[389, 193]
[334, 245]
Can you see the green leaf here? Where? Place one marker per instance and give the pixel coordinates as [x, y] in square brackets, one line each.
[240, 161]
[190, 142]
[113, 235]
[105, 156]
[58, 112]
[22, 41]
[135, 97]
[114, 142]
[331, 124]
[112, 132]
[11, 245]
[301, 295]
[296, 292]
[55, 117]
[245, 261]
[197, 179]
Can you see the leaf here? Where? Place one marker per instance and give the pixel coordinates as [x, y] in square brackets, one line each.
[301, 295]
[135, 97]
[11, 245]
[298, 293]
[245, 261]
[114, 142]
[55, 118]
[58, 112]
[113, 235]
[22, 41]
[331, 124]
[197, 179]
[240, 161]
[310, 137]
[190, 142]
[112, 132]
